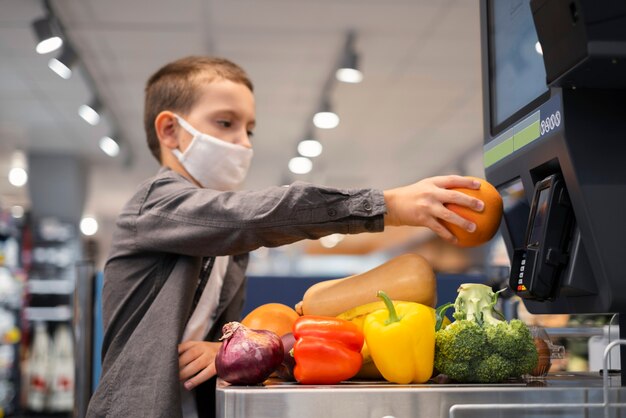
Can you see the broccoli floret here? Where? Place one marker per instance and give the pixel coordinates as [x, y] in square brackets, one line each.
[461, 340]
[461, 371]
[479, 346]
[493, 368]
[506, 337]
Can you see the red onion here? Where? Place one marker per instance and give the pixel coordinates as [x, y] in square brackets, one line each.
[285, 370]
[247, 356]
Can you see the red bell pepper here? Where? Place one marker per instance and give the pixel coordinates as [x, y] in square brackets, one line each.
[327, 350]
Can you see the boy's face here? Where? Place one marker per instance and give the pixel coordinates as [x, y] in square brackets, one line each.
[224, 110]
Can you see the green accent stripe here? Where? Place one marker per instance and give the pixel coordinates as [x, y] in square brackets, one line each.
[526, 135]
[522, 134]
[498, 152]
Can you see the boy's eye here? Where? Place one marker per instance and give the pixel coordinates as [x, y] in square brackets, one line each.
[250, 134]
[225, 123]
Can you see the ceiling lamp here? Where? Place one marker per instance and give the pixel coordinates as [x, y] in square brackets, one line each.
[62, 65]
[88, 226]
[331, 241]
[300, 165]
[348, 71]
[48, 35]
[326, 118]
[18, 174]
[17, 211]
[109, 146]
[90, 113]
[310, 148]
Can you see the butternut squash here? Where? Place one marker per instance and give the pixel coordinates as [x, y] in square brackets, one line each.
[407, 277]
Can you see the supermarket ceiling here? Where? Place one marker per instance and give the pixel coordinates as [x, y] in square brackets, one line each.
[417, 112]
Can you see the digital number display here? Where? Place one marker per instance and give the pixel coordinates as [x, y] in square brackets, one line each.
[550, 123]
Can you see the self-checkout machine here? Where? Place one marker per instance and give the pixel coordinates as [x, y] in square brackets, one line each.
[554, 80]
[554, 83]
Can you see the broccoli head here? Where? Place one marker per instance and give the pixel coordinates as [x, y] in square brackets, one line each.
[480, 346]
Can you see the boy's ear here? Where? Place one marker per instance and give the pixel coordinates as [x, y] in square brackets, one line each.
[166, 128]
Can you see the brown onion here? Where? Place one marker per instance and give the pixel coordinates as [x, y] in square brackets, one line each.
[247, 356]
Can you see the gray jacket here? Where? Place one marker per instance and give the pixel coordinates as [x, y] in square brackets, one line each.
[150, 277]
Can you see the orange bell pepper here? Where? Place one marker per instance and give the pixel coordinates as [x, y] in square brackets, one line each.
[327, 350]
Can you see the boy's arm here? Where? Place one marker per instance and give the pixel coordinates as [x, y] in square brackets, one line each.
[180, 218]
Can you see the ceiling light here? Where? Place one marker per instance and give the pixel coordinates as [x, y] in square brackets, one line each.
[348, 71]
[63, 64]
[18, 176]
[90, 113]
[48, 36]
[88, 226]
[17, 211]
[331, 241]
[109, 146]
[326, 120]
[349, 75]
[300, 165]
[310, 148]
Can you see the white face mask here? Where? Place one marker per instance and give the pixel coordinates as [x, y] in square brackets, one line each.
[213, 163]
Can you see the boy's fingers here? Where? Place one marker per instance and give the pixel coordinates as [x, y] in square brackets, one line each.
[441, 231]
[453, 218]
[201, 377]
[451, 181]
[462, 199]
[192, 368]
[185, 358]
[185, 346]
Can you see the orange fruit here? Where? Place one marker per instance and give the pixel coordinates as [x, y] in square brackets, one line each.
[487, 221]
[274, 317]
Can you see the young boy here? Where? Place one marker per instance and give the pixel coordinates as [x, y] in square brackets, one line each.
[175, 274]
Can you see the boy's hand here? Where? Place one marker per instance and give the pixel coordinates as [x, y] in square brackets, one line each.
[196, 362]
[422, 204]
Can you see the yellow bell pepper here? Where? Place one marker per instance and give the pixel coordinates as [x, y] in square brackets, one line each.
[401, 340]
[357, 316]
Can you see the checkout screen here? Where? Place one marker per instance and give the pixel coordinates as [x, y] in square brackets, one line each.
[518, 75]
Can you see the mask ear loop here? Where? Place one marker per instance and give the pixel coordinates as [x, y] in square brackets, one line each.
[190, 129]
[186, 126]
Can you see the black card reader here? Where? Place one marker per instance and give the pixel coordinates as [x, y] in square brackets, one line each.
[536, 268]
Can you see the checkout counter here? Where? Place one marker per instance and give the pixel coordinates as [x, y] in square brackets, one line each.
[554, 84]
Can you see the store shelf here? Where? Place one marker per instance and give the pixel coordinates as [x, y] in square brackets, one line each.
[50, 287]
[57, 313]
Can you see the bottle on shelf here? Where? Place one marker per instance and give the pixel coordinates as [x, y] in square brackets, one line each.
[61, 377]
[38, 365]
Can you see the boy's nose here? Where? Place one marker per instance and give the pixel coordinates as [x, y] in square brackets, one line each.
[244, 140]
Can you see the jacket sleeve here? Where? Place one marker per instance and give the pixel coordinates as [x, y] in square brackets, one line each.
[175, 216]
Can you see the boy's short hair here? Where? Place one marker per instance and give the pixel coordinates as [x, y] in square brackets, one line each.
[174, 87]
